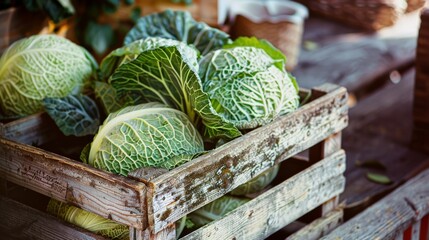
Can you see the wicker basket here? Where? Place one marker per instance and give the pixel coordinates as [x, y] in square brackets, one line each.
[368, 14]
[280, 22]
[415, 4]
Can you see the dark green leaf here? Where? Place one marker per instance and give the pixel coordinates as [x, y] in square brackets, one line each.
[379, 178]
[75, 115]
[179, 26]
[109, 99]
[56, 9]
[99, 37]
[136, 14]
[263, 44]
[85, 153]
[129, 2]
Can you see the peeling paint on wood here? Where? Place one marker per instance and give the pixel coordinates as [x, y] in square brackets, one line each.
[210, 176]
[280, 205]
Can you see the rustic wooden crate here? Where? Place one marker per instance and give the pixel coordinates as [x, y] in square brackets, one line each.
[150, 203]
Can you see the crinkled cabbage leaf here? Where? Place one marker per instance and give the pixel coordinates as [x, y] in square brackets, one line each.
[75, 115]
[145, 135]
[167, 73]
[246, 88]
[178, 25]
[39, 67]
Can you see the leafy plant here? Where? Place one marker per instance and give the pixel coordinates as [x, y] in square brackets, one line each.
[146, 135]
[246, 87]
[75, 115]
[179, 26]
[42, 66]
[164, 71]
[57, 10]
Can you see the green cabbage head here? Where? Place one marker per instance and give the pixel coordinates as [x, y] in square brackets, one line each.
[38, 67]
[246, 87]
[145, 135]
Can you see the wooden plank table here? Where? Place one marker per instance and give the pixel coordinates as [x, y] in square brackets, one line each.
[374, 67]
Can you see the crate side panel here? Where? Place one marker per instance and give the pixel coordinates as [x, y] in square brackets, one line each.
[207, 178]
[280, 205]
[106, 194]
[23, 222]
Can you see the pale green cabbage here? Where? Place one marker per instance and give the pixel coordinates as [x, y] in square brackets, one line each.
[146, 135]
[39, 67]
[246, 87]
[87, 220]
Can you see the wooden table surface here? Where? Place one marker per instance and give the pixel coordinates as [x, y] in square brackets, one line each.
[377, 69]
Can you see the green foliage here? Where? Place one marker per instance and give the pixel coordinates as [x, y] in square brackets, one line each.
[214, 210]
[246, 88]
[99, 37]
[179, 26]
[165, 71]
[57, 10]
[146, 135]
[87, 220]
[75, 115]
[258, 183]
[39, 67]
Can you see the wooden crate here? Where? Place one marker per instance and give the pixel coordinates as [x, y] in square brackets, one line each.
[150, 202]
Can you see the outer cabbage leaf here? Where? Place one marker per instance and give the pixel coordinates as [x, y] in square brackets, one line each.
[215, 210]
[277, 55]
[246, 88]
[131, 51]
[75, 115]
[180, 26]
[258, 183]
[87, 220]
[146, 135]
[170, 75]
[39, 67]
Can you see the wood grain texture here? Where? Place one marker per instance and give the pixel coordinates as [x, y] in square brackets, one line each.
[390, 216]
[353, 58]
[19, 221]
[109, 195]
[210, 176]
[280, 205]
[319, 227]
[35, 129]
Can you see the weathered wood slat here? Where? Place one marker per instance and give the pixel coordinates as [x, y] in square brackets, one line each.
[391, 215]
[23, 222]
[36, 129]
[207, 178]
[320, 227]
[108, 195]
[280, 205]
